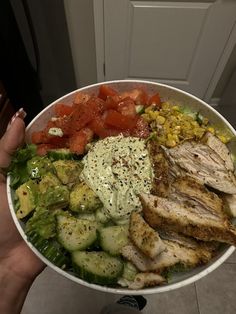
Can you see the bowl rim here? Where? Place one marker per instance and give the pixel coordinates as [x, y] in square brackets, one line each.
[145, 291]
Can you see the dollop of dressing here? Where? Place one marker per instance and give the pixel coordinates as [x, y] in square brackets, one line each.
[117, 169]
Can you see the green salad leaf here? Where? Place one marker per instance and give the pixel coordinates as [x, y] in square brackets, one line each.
[18, 167]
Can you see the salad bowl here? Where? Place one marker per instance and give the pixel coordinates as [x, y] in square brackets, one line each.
[175, 97]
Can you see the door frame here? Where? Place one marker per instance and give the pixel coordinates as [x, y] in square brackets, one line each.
[98, 11]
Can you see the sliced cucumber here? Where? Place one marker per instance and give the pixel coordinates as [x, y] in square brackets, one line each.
[61, 154]
[113, 238]
[97, 267]
[75, 234]
[52, 251]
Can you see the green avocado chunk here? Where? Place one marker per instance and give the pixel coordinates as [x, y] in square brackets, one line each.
[55, 197]
[48, 180]
[43, 222]
[83, 199]
[27, 195]
[38, 166]
[68, 171]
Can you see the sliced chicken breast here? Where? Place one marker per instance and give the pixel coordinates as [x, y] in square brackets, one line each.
[170, 215]
[189, 191]
[145, 237]
[174, 253]
[202, 163]
[220, 148]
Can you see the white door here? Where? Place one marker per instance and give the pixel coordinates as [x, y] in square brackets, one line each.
[179, 43]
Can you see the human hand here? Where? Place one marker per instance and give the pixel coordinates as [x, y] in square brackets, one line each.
[16, 258]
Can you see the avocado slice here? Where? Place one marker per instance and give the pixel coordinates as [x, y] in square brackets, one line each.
[26, 194]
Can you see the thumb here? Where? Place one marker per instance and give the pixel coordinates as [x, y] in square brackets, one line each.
[11, 140]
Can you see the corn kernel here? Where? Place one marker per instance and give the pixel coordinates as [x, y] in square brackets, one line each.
[223, 139]
[160, 119]
[170, 143]
[211, 129]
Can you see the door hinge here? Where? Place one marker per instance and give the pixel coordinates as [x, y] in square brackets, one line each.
[104, 69]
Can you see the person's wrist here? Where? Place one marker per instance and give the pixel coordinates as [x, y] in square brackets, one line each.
[13, 289]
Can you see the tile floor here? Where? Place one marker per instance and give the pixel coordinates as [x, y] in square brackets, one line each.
[214, 294]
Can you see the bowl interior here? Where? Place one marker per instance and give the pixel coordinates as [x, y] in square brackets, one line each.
[174, 96]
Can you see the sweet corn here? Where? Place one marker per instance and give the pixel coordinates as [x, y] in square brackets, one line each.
[173, 126]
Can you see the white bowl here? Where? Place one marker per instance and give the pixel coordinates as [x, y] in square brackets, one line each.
[174, 96]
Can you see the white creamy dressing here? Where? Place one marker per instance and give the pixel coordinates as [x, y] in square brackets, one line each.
[117, 169]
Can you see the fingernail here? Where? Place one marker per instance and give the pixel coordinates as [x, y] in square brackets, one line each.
[19, 114]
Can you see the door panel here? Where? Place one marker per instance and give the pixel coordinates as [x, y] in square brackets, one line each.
[164, 37]
[178, 43]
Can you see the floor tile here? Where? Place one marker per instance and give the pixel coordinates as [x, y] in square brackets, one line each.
[216, 292]
[180, 301]
[53, 294]
[232, 258]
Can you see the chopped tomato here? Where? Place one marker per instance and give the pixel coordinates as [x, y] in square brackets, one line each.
[112, 102]
[99, 128]
[77, 143]
[58, 141]
[81, 97]
[42, 149]
[119, 121]
[105, 91]
[88, 133]
[61, 123]
[62, 110]
[139, 96]
[141, 129]
[127, 107]
[154, 100]
[38, 137]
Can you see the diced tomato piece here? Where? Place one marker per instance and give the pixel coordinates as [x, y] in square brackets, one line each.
[112, 102]
[139, 96]
[99, 128]
[119, 121]
[78, 142]
[38, 137]
[81, 97]
[127, 107]
[62, 110]
[105, 91]
[141, 129]
[42, 149]
[59, 142]
[154, 100]
[85, 113]
[88, 133]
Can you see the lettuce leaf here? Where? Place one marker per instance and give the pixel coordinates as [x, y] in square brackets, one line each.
[18, 169]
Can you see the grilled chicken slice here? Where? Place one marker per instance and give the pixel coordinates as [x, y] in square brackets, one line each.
[202, 163]
[189, 191]
[142, 280]
[171, 215]
[230, 204]
[144, 237]
[161, 181]
[220, 148]
[174, 253]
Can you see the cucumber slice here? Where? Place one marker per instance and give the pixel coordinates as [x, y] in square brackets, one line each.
[97, 267]
[61, 154]
[75, 234]
[113, 238]
[52, 251]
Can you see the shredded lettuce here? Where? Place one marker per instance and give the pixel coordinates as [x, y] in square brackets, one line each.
[18, 169]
